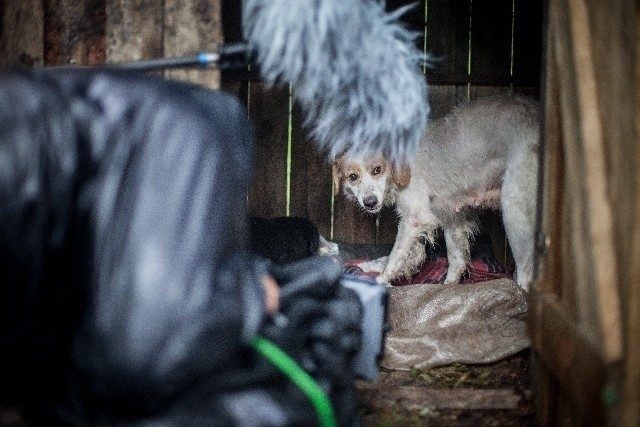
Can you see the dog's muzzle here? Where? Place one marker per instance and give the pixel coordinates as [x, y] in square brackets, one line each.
[370, 203]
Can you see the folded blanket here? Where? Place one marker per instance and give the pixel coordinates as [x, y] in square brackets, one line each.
[483, 266]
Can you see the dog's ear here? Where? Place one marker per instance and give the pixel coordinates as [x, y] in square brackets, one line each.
[401, 175]
[337, 171]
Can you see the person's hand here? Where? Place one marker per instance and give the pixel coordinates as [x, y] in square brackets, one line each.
[272, 294]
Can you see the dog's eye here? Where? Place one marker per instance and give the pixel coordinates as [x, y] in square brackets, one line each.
[376, 170]
[353, 177]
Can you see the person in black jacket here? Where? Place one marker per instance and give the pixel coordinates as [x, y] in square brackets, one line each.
[129, 293]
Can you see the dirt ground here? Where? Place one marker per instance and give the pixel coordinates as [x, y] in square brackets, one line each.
[497, 394]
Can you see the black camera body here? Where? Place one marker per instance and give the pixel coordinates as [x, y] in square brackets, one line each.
[373, 297]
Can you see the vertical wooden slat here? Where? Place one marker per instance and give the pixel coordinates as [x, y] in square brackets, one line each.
[269, 110]
[19, 47]
[527, 43]
[191, 27]
[462, 35]
[591, 248]
[231, 22]
[601, 224]
[491, 23]
[577, 270]
[414, 20]
[134, 30]
[490, 54]
[631, 386]
[558, 215]
[351, 224]
[548, 262]
[231, 15]
[310, 179]
[231, 12]
[552, 179]
[74, 32]
[441, 26]
[613, 44]
[387, 226]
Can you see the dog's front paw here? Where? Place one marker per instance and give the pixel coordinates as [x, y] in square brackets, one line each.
[453, 278]
[383, 280]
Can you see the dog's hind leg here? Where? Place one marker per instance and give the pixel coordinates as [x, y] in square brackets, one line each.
[518, 211]
[520, 234]
[408, 251]
[457, 238]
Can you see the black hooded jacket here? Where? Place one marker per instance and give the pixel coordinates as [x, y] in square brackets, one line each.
[124, 258]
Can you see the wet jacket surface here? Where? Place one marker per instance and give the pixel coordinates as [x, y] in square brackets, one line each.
[127, 285]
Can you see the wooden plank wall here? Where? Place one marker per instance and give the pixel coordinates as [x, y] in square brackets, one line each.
[94, 32]
[471, 41]
[19, 47]
[479, 48]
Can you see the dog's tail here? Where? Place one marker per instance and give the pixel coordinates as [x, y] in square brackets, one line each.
[353, 68]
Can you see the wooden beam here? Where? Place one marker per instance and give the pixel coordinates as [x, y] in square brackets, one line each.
[416, 398]
[600, 229]
[631, 385]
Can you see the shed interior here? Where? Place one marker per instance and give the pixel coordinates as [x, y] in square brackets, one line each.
[477, 49]
[580, 58]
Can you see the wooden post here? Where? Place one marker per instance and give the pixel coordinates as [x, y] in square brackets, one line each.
[631, 385]
[584, 311]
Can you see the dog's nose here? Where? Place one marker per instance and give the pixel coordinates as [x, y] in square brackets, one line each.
[370, 202]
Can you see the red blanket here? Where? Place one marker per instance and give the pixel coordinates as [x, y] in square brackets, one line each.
[484, 266]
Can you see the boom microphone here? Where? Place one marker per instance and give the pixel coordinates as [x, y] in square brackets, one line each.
[353, 68]
[235, 55]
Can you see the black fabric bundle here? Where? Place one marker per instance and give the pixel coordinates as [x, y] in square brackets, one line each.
[284, 239]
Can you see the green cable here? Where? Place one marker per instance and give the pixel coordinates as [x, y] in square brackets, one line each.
[299, 377]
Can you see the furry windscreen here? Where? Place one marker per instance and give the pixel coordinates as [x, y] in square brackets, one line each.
[354, 69]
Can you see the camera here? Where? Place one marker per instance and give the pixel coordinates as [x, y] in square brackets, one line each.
[373, 297]
[314, 293]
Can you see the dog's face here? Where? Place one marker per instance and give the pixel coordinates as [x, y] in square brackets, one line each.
[370, 182]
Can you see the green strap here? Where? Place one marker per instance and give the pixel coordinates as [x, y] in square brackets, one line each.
[299, 377]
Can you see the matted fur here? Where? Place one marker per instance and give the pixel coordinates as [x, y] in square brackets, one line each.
[480, 156]
[354, 69]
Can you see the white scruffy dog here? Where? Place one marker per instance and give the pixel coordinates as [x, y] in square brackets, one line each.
[484, 155]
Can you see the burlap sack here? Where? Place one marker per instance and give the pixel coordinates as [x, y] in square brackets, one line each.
[433, 325]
